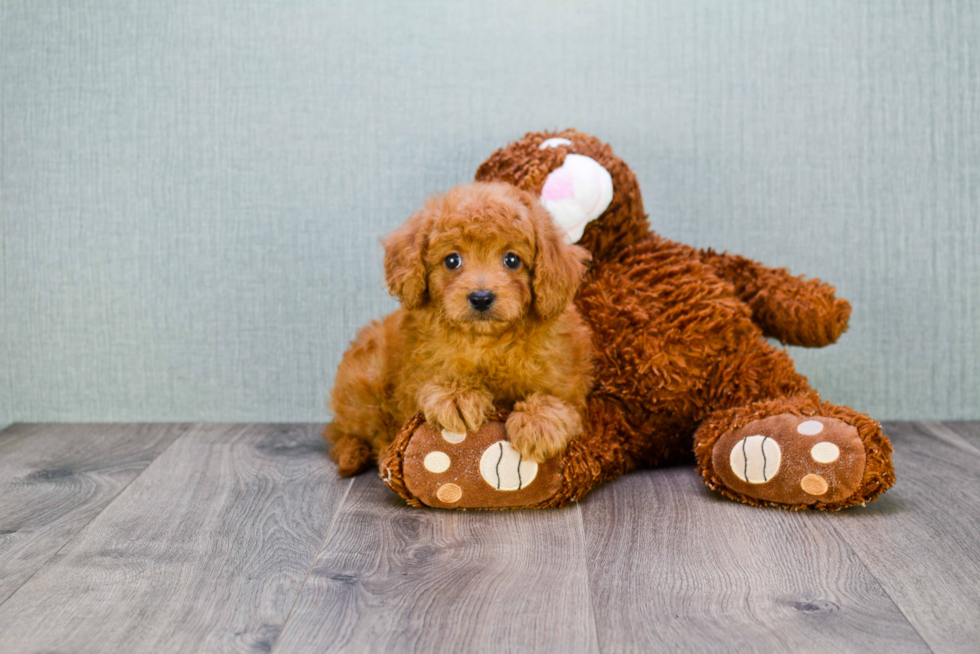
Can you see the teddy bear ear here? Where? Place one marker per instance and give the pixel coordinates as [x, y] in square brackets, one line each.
[577, 193]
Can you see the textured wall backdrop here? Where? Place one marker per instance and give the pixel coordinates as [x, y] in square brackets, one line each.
[193, 191]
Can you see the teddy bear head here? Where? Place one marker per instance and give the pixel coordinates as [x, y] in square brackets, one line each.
[590, 192]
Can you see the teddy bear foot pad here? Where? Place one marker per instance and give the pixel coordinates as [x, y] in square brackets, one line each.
[791, 459]
[475, 470]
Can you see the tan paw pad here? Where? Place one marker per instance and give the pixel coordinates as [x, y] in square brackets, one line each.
[814, 485]
[449, 493]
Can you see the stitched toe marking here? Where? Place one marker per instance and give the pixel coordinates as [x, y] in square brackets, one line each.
[810, 427]
[814, 485]
[454, 437]
[825, 452]
[505, 469]
[436, 462]
[755, 459]
[449, 493]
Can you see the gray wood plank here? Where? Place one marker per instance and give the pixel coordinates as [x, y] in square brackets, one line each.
[922, 539]
[675, 567]
[205, 551]
[391, 578]
[54, 479]
[958, 435]
[968, 432]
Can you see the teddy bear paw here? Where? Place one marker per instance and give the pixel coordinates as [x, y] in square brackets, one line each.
[790, 459]
[475, 470]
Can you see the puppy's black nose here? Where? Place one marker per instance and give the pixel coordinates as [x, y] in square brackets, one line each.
[481, 300]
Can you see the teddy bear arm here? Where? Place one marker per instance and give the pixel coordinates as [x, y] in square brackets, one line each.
[795, 310]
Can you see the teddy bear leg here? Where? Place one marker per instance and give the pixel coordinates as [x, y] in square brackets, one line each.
[794, 452]
[481, 470]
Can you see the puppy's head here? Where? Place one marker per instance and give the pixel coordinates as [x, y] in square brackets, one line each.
[484, 256]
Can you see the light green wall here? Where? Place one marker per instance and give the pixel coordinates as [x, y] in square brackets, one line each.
[193, 192]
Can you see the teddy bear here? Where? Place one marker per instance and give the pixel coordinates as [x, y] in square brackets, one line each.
[683, 371]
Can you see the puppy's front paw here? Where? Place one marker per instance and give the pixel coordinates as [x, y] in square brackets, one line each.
[542, 426]
[458, 410]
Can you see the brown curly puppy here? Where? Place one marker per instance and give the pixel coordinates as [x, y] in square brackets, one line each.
[486, 285]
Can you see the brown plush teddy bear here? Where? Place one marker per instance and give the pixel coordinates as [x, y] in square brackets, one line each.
[682, 365]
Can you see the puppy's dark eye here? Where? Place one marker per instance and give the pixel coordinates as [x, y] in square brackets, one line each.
[512, 261]
[453, 261]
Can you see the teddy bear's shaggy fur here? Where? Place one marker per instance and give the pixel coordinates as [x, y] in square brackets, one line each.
[682, 365]
[521, 346]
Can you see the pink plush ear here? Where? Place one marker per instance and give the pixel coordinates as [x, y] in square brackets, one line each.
[576, 194]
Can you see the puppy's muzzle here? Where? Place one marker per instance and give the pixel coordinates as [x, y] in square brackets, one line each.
[481, 300]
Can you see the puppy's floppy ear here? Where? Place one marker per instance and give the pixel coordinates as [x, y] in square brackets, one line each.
[558, 266]
[405, 271]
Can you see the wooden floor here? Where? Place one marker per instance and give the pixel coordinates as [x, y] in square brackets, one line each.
[208, 538]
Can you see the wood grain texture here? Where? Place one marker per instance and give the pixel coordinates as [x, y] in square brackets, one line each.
[395, 579]
[959, 435]
[241, 538]
[922, 539]
[204, 552]
[968, 431]
[54, 479]
[674, 567]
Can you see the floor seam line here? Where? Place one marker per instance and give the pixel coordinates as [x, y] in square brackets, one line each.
[588, 575]
[93, 518]
[316, 555]
[843, 540]
[928, 428]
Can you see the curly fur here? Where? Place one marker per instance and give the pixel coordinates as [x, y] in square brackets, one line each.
[530, 353]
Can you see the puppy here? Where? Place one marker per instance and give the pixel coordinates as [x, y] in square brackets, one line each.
[486, 286]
